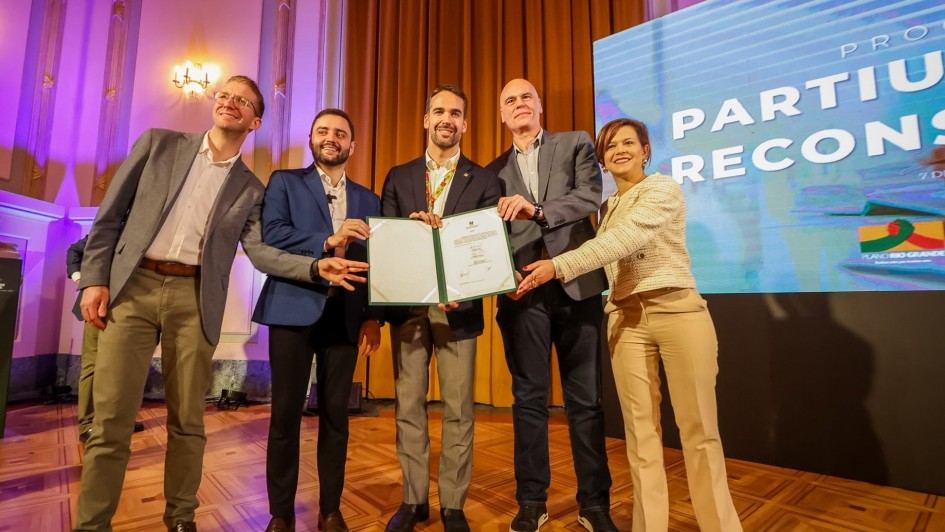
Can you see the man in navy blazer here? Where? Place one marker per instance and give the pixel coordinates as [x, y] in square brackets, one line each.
[439, 183]
[316, 211]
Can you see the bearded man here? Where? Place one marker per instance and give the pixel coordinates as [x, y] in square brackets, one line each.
[439, 183]
[319, 212]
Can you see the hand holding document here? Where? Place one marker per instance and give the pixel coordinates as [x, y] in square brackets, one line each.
[416, 264]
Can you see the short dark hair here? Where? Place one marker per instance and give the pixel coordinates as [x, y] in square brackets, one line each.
[446, 87]
[609, 131]
[245, 80]
[335, 112]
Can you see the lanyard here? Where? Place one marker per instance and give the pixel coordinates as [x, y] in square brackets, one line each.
[432, 196]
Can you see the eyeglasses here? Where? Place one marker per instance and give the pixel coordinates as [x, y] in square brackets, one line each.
[223, 96]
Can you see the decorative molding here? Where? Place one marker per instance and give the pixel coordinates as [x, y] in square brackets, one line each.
[275, 83]
[332, 68]
[109, 145]
[42, 106]
[12, 204]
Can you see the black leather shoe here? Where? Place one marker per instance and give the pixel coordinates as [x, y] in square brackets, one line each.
[597, 519]
[281, 525]
[139, 426]
[407, 516]
[183, 526]
[530, 517]
[85, 435]
[453, 520]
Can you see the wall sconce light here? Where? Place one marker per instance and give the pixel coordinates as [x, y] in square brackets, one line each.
[194, 80]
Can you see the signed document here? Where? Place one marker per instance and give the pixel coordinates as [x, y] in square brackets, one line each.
[414, 264]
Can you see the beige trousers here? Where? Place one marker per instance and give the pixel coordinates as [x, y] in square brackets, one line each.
[672, 326]
[427, 331]
[151, 306]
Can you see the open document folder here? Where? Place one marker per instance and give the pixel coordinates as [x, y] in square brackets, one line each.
[414, 264]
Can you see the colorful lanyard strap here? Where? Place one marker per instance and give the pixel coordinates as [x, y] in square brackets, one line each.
[431, 196]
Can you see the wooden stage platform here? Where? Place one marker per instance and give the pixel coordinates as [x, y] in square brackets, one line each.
[41, 459]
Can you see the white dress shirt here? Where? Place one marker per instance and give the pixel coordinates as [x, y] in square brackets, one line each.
[528, 164]
[437, 175]
[337, 199]
[180, 239]
[337, 204]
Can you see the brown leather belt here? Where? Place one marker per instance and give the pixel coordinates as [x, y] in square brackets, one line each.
[169, 267]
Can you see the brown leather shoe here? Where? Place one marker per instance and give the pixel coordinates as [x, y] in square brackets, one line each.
[183, 526]
[281, 525]
[332, 522]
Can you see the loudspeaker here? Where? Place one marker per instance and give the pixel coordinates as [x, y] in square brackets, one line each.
[354, 398]
[231, 399]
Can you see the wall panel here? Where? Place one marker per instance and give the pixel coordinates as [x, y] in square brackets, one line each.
[14, 29]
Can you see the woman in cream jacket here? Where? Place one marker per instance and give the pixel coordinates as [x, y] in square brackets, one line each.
[654, 314]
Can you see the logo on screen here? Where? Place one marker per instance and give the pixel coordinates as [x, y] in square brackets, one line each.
[902, 235]
[903, 242]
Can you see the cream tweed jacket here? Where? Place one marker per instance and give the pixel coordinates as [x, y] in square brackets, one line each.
[641, 241]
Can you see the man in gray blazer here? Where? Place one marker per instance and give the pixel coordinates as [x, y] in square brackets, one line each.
[552, 187]
[157, 267]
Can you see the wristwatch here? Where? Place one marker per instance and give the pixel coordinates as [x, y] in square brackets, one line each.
[313, 271]
[538, 211]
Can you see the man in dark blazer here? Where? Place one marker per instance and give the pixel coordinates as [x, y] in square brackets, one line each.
[316, 211]
[552, 188]
[89, 346]
[439, 183]
[157, 267]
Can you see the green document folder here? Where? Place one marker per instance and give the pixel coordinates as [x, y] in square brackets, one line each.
[415, 264]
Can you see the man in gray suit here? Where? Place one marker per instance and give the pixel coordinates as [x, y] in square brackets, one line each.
[157, 266]
[552, 187]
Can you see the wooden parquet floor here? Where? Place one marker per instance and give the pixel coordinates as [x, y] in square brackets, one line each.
[41, 459]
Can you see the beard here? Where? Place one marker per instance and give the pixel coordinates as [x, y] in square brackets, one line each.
[338, 158]
[444, 143]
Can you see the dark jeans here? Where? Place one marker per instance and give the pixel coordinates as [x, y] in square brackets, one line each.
[529, 328]
[290, 357]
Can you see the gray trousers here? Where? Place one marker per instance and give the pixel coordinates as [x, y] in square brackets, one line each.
[424, 333]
